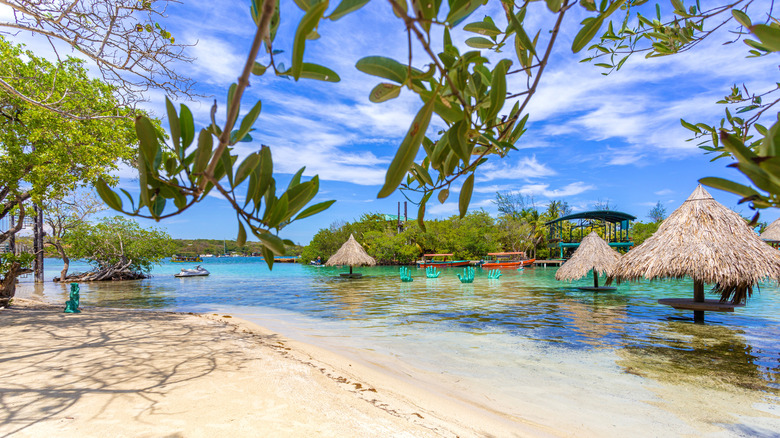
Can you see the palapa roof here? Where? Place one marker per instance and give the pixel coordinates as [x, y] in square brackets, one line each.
[707, 242]
[351, 254]
[772, 232]
[593, 253]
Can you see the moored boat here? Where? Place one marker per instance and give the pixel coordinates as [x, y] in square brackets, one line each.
[185, 259]
[198, 271]
[507, 260]
[440, 263]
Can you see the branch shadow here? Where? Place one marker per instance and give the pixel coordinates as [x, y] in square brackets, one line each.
[49, 361]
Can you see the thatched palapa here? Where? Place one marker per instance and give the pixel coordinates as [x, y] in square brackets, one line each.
[772, 232]
[593, 255]
[707, 242]
[351, 254]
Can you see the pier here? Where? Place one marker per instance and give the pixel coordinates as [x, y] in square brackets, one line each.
[548, 262]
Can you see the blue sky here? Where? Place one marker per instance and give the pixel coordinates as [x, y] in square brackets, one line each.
[590, 138]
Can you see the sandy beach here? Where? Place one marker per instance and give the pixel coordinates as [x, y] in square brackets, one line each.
[125, 373]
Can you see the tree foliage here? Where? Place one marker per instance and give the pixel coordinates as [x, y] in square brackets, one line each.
[45, 155]
[658, 213]
[124, 39]
[64, 214]
[118, 248]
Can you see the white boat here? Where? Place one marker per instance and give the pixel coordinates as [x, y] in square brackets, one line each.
[199, 271]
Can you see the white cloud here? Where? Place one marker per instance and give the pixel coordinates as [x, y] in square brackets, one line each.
[664, 192]
[544, 190]
[526, 168]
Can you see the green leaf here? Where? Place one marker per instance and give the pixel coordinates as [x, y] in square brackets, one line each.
[249, 119]
[383, 67]
[384, 91]
[205, 145]
[443, 195]
[483, 28]
[741, 18]
[522, 42]
[769, 36]
[407, 151]
[497, 92]
[307, 24]
[770, 145]
[729, 186]
[345, 7]
[306, 5]
[480, 43]
[457, 140]
[258, 69]
[247, 167]
[690, 126]
[318, 72]
[173, 124]
[465, 195]
[187, 126]
[265, 169]
[108, 196]
[147, 137]
[461, 9]
[314, 209]
[554, 5]
[268, 255]
[274, 243]
[241, 239]
[589, 30]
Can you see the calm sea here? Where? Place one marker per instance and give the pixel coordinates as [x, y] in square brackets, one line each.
[525, 345]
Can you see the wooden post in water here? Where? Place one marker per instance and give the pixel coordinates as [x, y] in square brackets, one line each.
[698, 297]
[595, 278]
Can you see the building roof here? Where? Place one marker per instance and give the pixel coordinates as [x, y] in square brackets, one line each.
[603, 215]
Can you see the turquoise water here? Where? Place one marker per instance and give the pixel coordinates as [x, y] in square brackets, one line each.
[492, 331]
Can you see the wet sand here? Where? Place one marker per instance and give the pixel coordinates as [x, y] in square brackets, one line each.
[126, 373]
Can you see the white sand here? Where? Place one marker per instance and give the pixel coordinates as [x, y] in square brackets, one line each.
[124, 373]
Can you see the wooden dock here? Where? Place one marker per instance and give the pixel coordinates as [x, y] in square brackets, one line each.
[548, 262]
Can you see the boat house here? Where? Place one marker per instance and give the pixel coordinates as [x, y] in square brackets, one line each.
[566, 233]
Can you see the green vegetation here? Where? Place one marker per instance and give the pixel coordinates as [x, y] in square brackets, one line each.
[219, 247]
[45, 154]
[117, 248]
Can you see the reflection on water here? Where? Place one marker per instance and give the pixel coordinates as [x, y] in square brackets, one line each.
[740, 349]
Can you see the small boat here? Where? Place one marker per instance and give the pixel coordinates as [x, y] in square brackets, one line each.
[506, 260]
[199, 271]
[185, 259]
[440, 263]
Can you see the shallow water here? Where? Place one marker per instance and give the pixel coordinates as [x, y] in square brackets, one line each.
[506, 339]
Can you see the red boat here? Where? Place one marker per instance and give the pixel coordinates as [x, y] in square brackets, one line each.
[499, 263]
[441, 263]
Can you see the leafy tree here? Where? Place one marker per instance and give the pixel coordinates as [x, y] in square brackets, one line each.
[118, 249]
[640, 231]
[65, 214]
[124, 38]
[658, 213]
[44, 154]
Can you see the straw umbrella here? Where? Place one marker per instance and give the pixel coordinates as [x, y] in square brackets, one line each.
[709, 243]
[593, 254]
[351, 254]
[771, 234]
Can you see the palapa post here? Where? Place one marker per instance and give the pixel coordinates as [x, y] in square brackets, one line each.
[351, 254]
[593, 255]
[709, 243]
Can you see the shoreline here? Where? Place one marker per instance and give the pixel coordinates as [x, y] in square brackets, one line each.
[162, 373]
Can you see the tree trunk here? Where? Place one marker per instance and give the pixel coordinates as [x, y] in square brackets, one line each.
[65, 260]
[8, 284]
